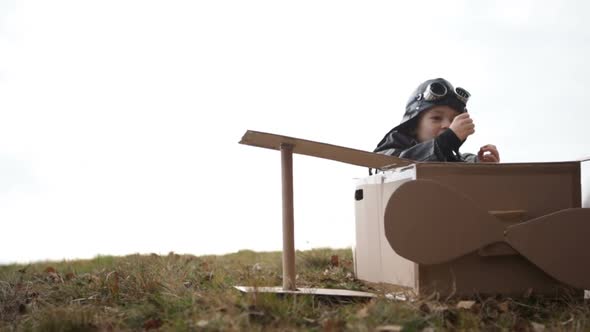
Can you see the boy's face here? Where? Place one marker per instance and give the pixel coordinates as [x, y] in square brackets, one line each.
[434, 121]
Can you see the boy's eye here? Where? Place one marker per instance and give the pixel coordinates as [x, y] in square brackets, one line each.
[436, 118]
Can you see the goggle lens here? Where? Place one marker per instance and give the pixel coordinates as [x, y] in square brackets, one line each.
[436, 90]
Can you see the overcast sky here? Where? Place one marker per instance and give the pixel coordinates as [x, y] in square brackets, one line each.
[120, 119]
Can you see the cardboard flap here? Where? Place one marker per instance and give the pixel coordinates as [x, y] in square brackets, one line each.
[323, 150]
[557, 243]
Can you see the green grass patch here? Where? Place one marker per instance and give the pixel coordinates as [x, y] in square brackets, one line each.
[187, 293]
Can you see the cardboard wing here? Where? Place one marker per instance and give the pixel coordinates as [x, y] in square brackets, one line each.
[323, 150]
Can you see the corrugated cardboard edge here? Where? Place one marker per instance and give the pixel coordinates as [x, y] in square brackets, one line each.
[323, 150]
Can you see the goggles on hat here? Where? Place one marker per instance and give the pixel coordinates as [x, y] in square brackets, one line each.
[436, 91]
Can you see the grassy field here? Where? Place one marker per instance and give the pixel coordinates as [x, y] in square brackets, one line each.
[189, 293]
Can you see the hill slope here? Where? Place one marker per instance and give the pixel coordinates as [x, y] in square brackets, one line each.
[183, 292]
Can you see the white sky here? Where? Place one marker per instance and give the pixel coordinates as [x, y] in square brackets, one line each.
[120, 119]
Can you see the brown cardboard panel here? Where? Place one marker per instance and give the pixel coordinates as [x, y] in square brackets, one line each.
[442, 232]
[472, 274]
[557, 244]
[497, 249]
[510, 216]
[322, 150]
[501, 248]
[430, 223]
[537, 188]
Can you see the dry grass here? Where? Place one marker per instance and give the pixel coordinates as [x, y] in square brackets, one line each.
[188, 293]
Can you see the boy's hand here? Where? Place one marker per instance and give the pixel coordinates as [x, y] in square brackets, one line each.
[488, 154]
[462, 126]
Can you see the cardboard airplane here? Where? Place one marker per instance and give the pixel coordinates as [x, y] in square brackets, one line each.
[455, 228]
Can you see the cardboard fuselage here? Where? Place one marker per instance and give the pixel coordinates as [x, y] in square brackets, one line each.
[534, 189]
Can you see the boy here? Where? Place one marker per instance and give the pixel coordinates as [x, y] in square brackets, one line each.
[434, 127]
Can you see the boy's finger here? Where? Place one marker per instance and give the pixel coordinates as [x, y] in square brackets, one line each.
[495, 153]
[490, 159]
[489, 148]
[462, 116]
[492, 149]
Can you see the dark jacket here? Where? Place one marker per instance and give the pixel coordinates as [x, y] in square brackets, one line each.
[443, 148]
